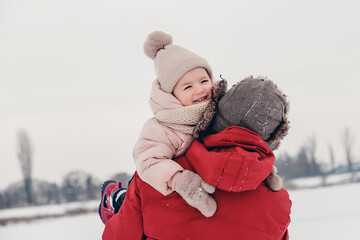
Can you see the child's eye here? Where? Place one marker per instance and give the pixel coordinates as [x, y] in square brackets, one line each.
[205, 81]
[187, 87]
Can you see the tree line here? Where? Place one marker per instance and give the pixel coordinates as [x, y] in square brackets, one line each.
[305, 163]
[75, 186]
[80, 186]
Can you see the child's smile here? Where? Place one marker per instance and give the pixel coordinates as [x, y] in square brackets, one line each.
[193, 87]
[202, 99]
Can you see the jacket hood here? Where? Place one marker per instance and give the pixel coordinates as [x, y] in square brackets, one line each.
[238, 137]
[160, 100]
[235, 159]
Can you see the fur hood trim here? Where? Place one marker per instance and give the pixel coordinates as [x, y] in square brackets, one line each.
[274, 141]
[218, 91]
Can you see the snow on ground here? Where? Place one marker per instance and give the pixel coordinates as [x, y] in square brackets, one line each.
[329, 213]
[47, 209]
[328, 180]
[326, 213]
[82, 227]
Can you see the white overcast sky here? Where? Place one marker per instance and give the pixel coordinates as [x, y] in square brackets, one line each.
[73, 73]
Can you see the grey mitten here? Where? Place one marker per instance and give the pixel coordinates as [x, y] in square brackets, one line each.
[195, 192]
[274, 181]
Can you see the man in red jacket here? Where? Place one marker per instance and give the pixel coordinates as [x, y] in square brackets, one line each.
[231, 157]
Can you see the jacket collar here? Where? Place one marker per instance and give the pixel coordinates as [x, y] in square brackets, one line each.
[238, 136]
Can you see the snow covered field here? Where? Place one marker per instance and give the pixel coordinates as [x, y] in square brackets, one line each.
[326, 213]
[319, 213]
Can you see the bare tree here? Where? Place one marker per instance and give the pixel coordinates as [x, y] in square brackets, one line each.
[24, 154]
[332, 158]
[311, 148]
[303, 162]
[348, 141]
[80, 186]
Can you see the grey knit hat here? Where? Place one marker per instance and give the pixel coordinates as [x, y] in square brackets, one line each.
[253, 103]
[171, 61]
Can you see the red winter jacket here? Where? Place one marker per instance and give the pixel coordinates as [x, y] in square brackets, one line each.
[236, 161]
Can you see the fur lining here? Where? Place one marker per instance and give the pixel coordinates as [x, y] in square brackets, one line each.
[275, 138]
[218, 92]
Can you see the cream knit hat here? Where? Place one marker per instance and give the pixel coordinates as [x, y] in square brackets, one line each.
[171, 61]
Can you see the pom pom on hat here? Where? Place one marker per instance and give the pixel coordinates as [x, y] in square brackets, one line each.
[171, 61]
[155, 41]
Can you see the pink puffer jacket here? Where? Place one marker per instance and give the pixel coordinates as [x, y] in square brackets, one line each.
[158, 145]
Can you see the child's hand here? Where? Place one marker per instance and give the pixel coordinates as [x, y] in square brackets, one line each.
[274, 181]
[195, 192]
